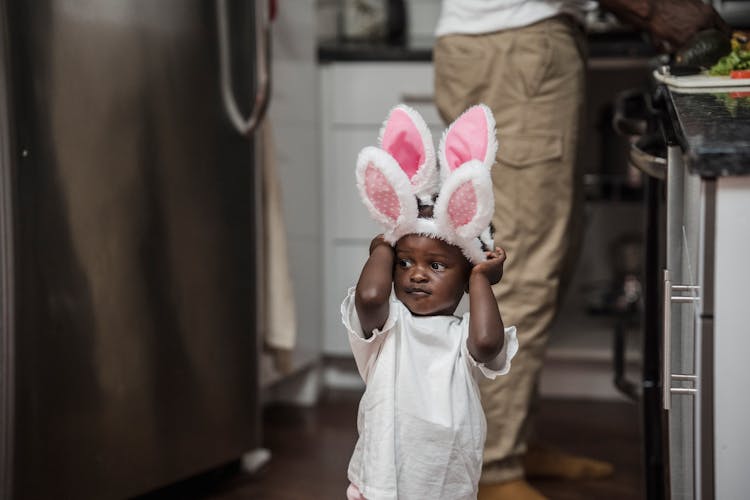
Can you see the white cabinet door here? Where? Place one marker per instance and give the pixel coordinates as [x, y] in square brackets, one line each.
[362, 93]
[732, 337]
[346, 217]
[356, 98]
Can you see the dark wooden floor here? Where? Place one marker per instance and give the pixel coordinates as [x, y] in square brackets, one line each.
[311, 448]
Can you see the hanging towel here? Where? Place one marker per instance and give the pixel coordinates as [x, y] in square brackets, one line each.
[279, 321]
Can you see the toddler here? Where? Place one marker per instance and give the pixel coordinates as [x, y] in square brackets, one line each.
[420, 420]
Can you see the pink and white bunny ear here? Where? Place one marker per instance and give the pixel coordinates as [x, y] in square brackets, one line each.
[470, 137]
[407, 139]
[386, 192]
[464, 208]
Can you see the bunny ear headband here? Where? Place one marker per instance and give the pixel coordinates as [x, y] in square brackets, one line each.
[392, 177]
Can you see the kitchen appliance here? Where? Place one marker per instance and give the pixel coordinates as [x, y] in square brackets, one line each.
[735, 12]
[128, 222]
[637, 118]
[373, 21]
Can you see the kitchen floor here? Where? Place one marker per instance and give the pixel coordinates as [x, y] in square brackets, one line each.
[311, 446]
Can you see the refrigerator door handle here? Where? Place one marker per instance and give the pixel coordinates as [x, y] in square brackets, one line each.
[245, 126]
[667, 375]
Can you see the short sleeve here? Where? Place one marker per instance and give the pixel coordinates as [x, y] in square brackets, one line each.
[365, 350]
[501, 364]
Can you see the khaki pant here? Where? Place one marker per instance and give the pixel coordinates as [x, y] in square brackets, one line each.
[533, 79]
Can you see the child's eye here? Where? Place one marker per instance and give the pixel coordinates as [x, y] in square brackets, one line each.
[405, 263]
[437, 266]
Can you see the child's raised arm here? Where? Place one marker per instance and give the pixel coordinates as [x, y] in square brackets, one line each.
[374, 286]
[486, 329]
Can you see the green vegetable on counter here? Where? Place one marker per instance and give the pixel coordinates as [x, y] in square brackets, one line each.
[737, 59]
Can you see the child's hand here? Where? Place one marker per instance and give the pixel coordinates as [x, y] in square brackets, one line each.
[492, 268]
[377, 241]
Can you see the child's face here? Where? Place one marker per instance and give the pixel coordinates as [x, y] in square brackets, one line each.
[430, 275]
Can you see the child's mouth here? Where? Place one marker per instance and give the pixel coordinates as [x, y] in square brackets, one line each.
[417, 291]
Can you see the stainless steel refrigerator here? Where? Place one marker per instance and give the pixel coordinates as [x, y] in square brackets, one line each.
[128, 261]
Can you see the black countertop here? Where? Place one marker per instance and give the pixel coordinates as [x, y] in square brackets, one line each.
[335, 50]
[713, 130]
[600, 45]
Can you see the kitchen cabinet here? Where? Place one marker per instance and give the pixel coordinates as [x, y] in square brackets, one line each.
[355, 99]
[705, 321]
[684, 278]
[731, 336]
[705, 312]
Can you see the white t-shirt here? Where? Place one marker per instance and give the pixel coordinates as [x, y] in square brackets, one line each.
[420, 421]
[474, 17]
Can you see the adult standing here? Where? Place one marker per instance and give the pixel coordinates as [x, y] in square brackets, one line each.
[526, 60]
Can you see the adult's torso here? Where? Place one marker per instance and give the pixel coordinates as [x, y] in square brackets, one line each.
[473, 17]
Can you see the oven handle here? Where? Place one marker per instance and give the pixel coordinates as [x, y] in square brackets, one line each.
[624, 124]
[655, 166]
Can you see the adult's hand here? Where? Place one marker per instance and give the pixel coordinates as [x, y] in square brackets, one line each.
[671, 23]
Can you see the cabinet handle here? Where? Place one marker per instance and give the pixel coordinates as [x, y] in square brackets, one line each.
[667, 375]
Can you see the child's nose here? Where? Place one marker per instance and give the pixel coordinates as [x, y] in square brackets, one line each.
[418, 275]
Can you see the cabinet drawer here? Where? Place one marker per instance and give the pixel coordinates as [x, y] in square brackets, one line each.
[362, 93]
